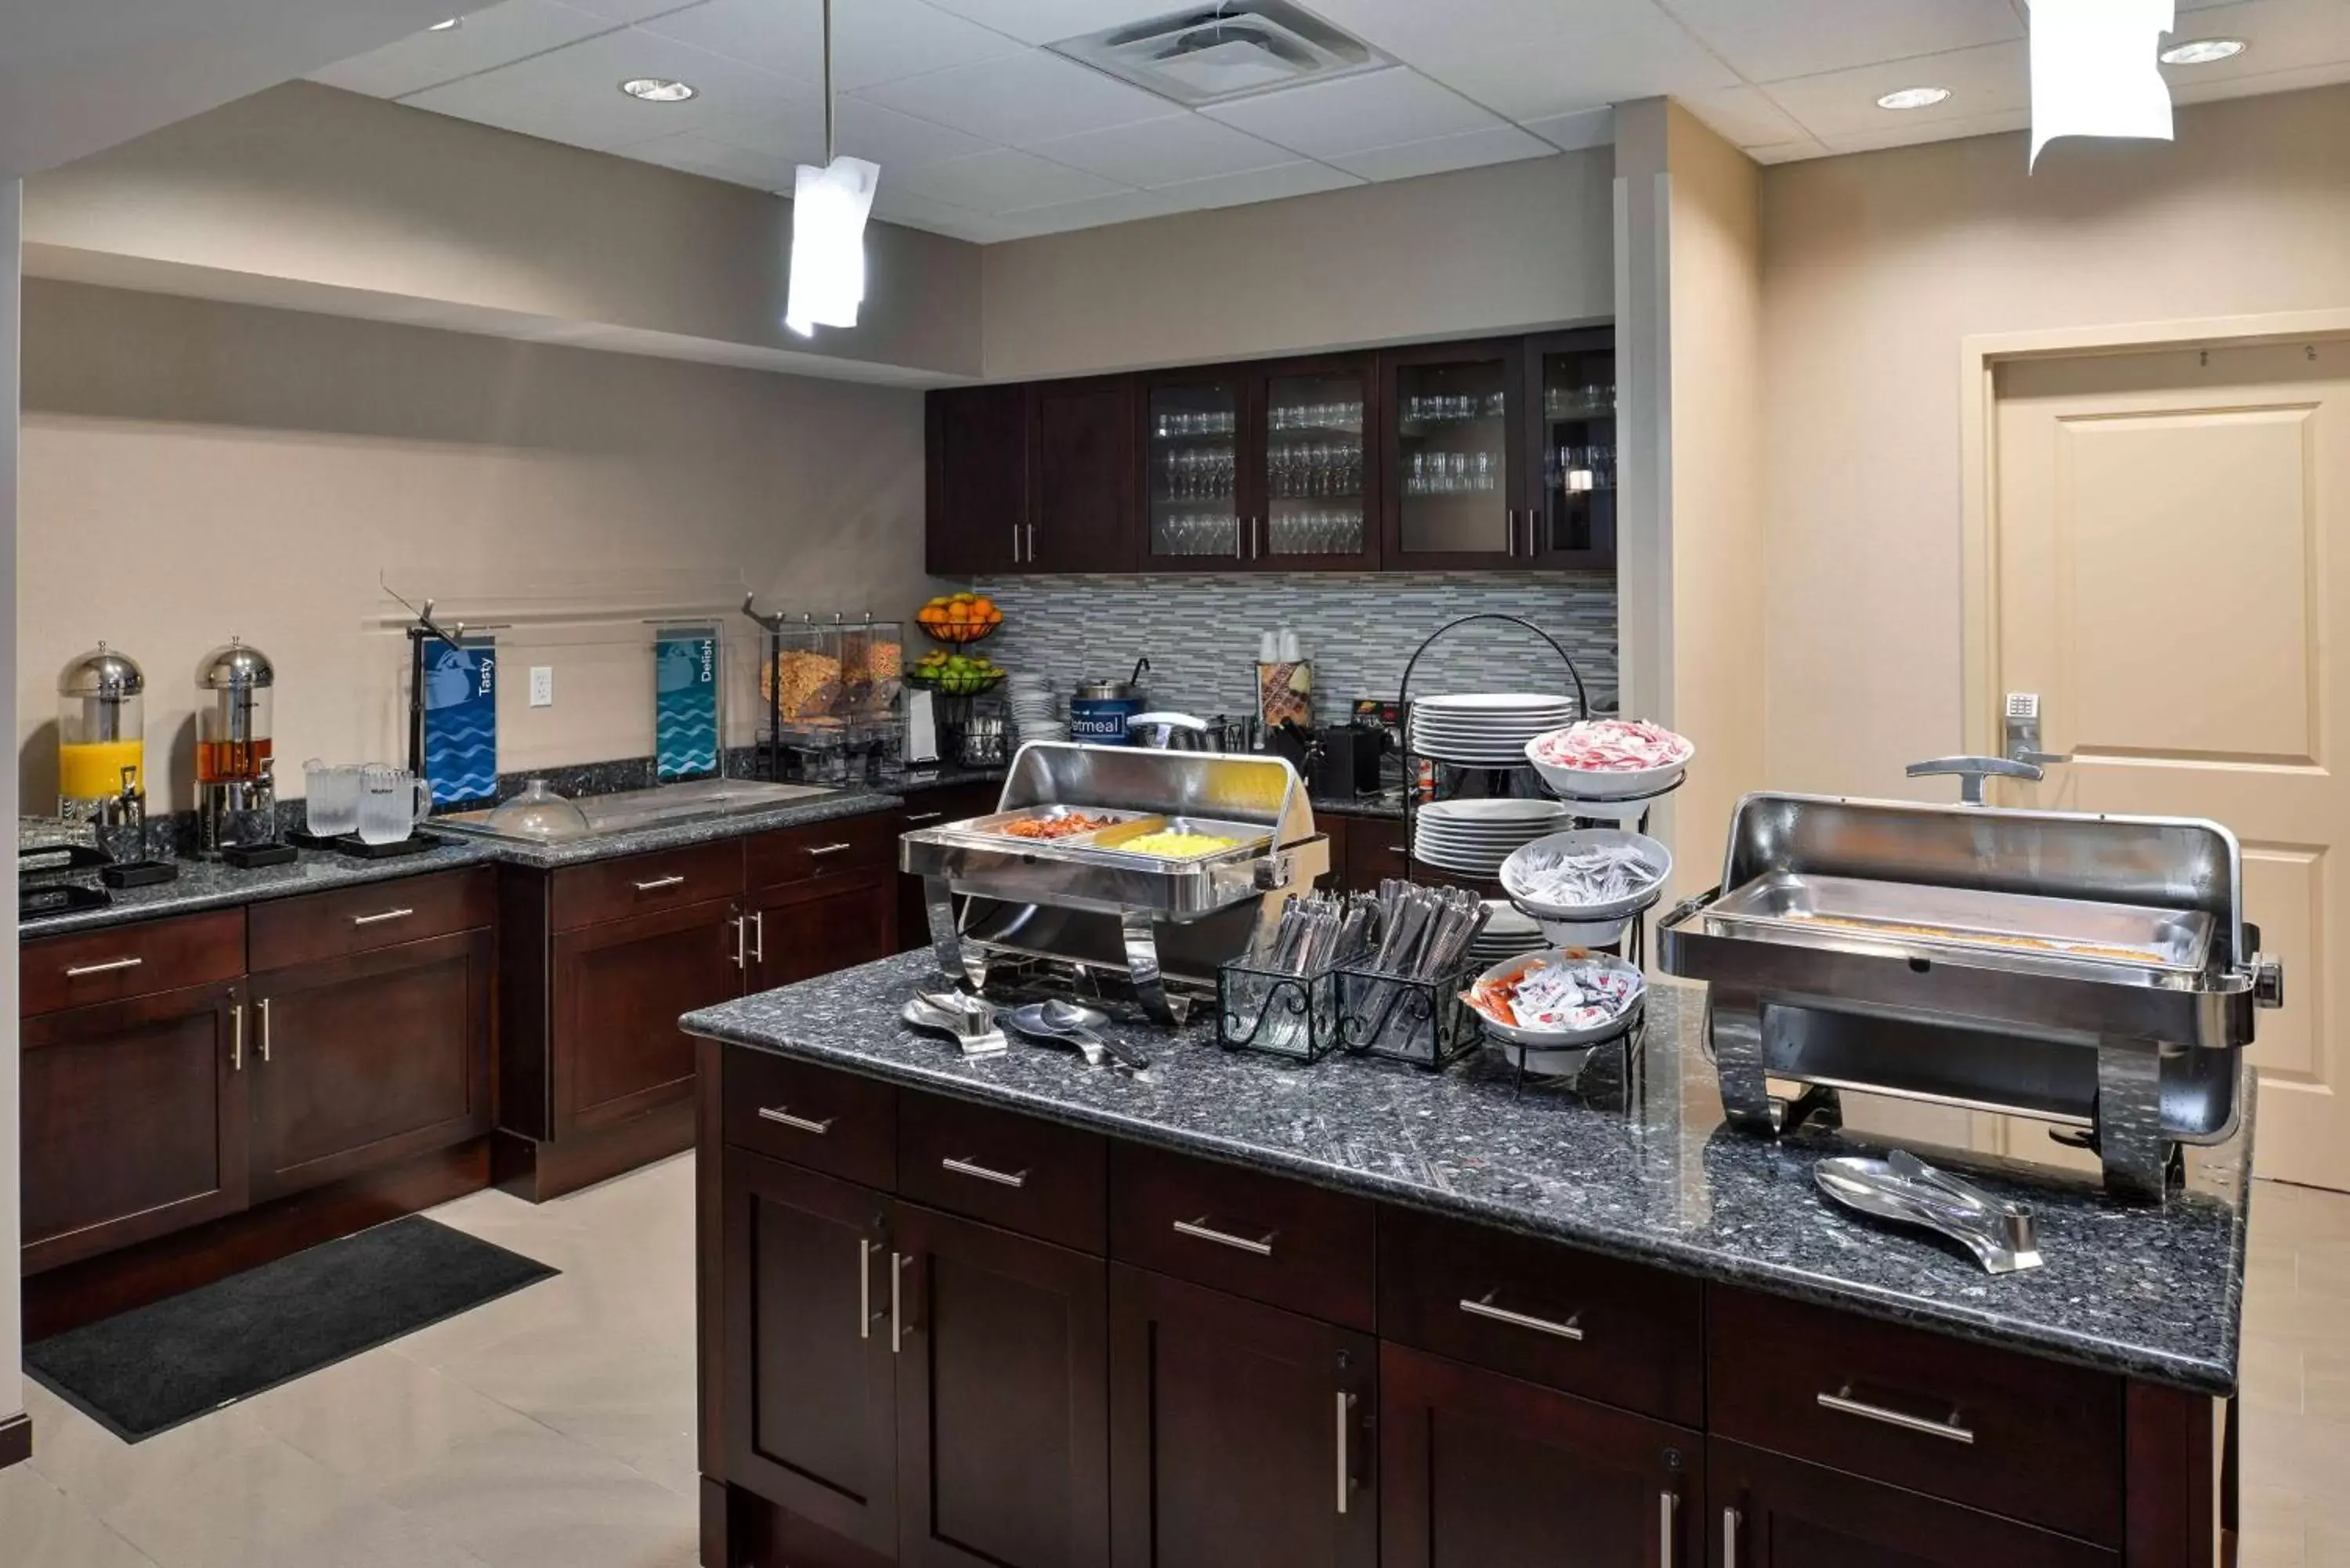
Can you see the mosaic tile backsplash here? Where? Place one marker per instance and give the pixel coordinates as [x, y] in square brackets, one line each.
[1358, 629]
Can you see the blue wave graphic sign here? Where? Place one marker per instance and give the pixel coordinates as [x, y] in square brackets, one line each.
[685, 702]
[460, 721]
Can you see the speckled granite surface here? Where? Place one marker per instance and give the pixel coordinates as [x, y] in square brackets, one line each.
[851, 802]
[1638, 1164]
[202, 885]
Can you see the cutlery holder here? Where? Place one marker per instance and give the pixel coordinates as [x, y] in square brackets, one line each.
[1276, 1012]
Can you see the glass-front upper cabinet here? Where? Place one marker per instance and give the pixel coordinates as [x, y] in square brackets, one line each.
[1311, 504]
[1192, 428]
[1456, 458]
[1573, 409]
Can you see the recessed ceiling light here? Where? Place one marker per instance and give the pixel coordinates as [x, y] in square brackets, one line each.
[444, 26]
[1913, 98]
[657, 89]
[2203, 51]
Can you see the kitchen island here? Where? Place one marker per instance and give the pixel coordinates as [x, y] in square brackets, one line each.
[1018, 1310]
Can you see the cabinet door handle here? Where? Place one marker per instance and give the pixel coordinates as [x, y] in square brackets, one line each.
[1001, 1177]
[865, 1250]
[1015, 544]
[896, 1302]
[1510, 531]
[1201, 1229]
[657, 883]
[379, 919]
[817, 851]
[1729, 1538]
[263, 1006]
[108, 967]
[781, 1114]
[1345, 1431]
[237, 1037]
[741, 924]
[1843, 1403]
[1571, 1329]
[758, 936]
[1668, 1507]
[1032, 544]
[914, 816]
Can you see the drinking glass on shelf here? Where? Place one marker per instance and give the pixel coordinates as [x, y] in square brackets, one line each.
[1418, 482]
[1459, 466]
[1481, 472]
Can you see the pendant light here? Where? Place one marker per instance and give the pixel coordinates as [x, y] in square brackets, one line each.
[829, 206]
[2094, 71]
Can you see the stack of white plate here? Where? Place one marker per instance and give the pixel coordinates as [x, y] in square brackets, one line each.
[1507, 933]
[1472, 837]
[1487, 729]
[1036, 711]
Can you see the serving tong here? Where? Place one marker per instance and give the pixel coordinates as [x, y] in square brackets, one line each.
[1903, 1188]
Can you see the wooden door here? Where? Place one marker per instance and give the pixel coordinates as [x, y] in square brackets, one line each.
[1766, 1511]
[1452, 453]
[1003, 1399]
[803, 929]
[1570, 452]
[1238, 1433]
[977, 492]
[2172, 549]
[618, 991]
[1310, 488]
[1195, 473]
[1479, 1470]
[361, 1061]
[1081, 477]
[811, 1404]
[135, 1121]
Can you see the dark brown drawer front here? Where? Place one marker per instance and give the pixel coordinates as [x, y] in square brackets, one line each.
[1619, 1333]
[821, 850]
[378, 915]
[2014, 1435]
[827, 1120]
[1265, 1237]
[947, 803]
[612, 889]
[1026, 1175]
[107, 965]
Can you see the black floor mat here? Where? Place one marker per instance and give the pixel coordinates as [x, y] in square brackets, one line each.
[149, 1369]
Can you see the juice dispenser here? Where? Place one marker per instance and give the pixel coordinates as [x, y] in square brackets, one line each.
[102, 750]
[237, 801]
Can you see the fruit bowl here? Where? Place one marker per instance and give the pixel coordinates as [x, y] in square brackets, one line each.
[957, 619]
[956, 682]
[963, 632]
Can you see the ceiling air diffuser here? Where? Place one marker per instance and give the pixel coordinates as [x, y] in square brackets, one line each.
[1207, 54]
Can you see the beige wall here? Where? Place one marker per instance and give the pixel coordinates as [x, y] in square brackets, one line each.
[1447, 255]
[12, 1392]
[193, 469]
[319, 199]
[1875, 268]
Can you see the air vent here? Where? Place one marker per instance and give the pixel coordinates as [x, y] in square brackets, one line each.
[1208, 54]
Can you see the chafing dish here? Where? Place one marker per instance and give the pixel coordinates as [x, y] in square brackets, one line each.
[2092, 971]
[1087, 908]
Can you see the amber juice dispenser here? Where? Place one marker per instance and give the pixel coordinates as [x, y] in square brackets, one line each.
[236, 800]
[102, 750]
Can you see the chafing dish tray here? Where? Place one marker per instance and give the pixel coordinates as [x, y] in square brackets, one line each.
[2093, 971]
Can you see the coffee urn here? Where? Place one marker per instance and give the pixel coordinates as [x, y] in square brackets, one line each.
[236, 799]
[102, 750]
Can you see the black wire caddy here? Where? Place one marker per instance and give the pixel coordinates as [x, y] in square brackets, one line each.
[1631, 812]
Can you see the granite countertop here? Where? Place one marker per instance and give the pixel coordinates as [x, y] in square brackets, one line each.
[1387, 804]
[853, 800]
[1638, 1164]
[208, 885]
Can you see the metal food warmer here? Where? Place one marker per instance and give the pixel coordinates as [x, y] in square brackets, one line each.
[2092, 971]
[1053, 896]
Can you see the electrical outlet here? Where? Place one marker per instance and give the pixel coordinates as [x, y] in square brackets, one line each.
[542, 686]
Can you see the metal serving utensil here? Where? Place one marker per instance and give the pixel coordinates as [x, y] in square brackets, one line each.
[969, 1020]
[1906, 1189]
[1079, 1024]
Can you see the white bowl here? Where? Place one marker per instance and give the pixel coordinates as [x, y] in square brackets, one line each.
[1584, 933]
[1552, 1039]
[1604, 784]
[1652, 853]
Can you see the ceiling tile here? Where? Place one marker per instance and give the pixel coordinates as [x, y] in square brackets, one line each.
[2283, 35]
[1020, 100]
[1990, 80]
[2201, 91]
[1876, 138]
[1469, 150]
[893, 204]
[1573, 132]
[1354, 114]
[894, 140]
[718, 159]
[1534, 62]
[1787, 152]
[1745, 115]
[1304, 178]
[873, 40]
[1060, 217]
[1804, 37]
[1050, 21]
[1183, 146]
[496, 37]
[631, 10]
[573, 94]
[1004, 180]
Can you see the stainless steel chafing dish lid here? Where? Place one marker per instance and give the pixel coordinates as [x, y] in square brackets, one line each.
[2177, 864]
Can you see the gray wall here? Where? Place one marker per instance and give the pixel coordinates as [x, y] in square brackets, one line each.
[12, 1392]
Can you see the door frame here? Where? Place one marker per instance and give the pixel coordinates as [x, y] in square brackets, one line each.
[1979, 358]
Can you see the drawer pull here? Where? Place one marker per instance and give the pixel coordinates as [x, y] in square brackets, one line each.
[1668, 1507]
[780, 1114]
[1842, 1402]
[109, 967]
[1345, 1477]
[263, 1005]
[915, 816]
[864, 1288]
[1571, 1329]
[657, 883]
[237, 1037]
[379, 919]
[816, 850]
[897, 1261]
[1729, 1538]
[1201, 1231]
[1001, 1177]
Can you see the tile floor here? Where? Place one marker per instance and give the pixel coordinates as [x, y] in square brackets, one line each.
[554, 1427]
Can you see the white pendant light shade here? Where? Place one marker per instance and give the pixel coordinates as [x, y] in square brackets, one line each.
[829, 206]
[2094, 71]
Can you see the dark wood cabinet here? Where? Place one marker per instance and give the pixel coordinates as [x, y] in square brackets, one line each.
[977, 481]
[811, 1413]
[1375, 852]
[1454, 455]
[617, 992]
[359, 1061]
[799, 930]
[1569, 502]
[928, 809]
[1479, 1470]
[1771, 1511]
[1002, 1398]
[1238, 1433]
[135, 1121]
[1081, 493]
